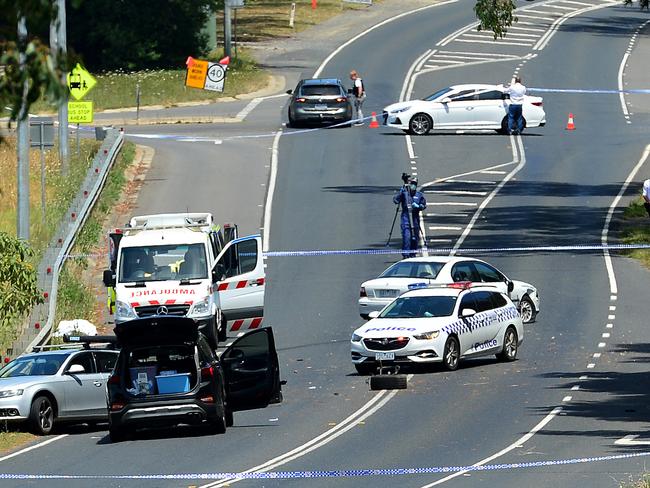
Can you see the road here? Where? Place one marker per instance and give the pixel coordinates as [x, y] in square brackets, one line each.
[333, 192]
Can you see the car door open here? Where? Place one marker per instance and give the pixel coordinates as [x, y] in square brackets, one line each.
[251, 371]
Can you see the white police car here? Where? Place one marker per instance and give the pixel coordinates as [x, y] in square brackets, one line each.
[439, 323]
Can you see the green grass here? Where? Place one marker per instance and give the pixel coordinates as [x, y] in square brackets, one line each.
[167, 87]
[11, 439]
[635, 229]
[76, 298]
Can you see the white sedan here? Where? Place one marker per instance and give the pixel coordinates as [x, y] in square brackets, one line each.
[439, 324]
[375, 294]
[462, 107]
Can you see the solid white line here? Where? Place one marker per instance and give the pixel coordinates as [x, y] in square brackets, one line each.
[457, 192]
[488, 172]
[459, 204]
[31, 448]
[494, 42]
[269, 195]
[457, 33]
[481, 54]
[621, 95]
[521, 157]
[576, 3]
[409, 146]
[535, 17]
[243, 113]
[532, 29]
[376, 26]
[413, 67]
[605, 234]
[443, 61]
[472, 182]
[431, 239]
[518, 443]
[561, 7]
[444, 227]
[512, 36]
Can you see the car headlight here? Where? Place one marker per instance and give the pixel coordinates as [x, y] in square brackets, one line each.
[10, 393]
[356, 338]
[400, 110]
[427, 336]
[200, 308]
[124, 311]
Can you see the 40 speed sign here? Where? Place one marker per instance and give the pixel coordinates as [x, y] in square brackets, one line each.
[206, 75]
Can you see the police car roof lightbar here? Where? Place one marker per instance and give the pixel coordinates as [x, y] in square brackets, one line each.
[460, 285]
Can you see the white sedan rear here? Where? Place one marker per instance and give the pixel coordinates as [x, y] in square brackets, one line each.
[474, 106]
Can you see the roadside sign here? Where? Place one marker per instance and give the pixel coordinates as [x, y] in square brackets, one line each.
[80, 112]
[365, 2]
[235, 3]
[41, 132]
[80, 82]
[205, 75]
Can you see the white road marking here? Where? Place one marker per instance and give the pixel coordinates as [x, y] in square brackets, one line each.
[621, 95]
[480, 54]
[35, 446]
[243, 113]
[488, 172]
[591, 366]
[611, 317]
[493, 42]
[483, 170]
[576, 3]
[610, 326]
[473, 182]
[457, 192]
[409, 73]
[446, 214]
[602, 344]
[606, 335]
[444, 227]
[269, 194]
[575, 387]
[612, 298]
[518, 443]
[597, 355]
[629, 440]
[612, 307]
[455, 204]
[536, 17]
[532, 29]
[583, 378]
[567, 399]
[431, 239]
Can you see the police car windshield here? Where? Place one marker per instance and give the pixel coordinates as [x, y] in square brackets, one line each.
[437, 94]
[46, 365]
[413, 269]
[161, 263]
[419, 307]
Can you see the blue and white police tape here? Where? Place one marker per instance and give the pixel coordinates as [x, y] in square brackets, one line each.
[594, 91]
[343, 473]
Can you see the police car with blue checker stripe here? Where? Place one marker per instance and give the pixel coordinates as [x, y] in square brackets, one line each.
[439, 324]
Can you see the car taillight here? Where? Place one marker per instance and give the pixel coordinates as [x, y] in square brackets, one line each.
[341, 99]
[207, 399]
[115, 406]
[537, 104]
[362, 292]
[114, 379]
[301, 100]
[207, 373]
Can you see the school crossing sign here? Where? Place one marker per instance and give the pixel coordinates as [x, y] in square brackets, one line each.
[206, 75]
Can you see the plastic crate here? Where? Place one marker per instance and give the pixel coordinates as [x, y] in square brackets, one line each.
[173, 383]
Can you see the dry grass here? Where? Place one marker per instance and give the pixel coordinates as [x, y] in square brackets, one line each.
[635, 229]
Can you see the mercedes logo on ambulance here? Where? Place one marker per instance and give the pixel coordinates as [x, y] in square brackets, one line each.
[162, 310]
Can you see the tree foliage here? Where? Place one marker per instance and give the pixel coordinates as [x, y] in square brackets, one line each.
[495, 15]
[127, 34]
[18, 289]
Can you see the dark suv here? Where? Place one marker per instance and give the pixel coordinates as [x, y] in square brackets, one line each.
[319, 101]
[167, 374]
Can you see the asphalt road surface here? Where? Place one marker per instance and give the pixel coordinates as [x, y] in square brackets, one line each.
[579, 385]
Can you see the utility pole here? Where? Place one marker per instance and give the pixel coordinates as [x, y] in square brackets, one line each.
[227, 27]
[23, 138]
[58, 47]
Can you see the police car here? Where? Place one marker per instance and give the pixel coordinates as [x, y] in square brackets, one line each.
[375, 294]
[439, 324]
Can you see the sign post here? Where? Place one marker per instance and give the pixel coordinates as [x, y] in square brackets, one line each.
[41, 135]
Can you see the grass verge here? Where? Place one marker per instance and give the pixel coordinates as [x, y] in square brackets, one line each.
[635, 228]
[11, 439]
[76, 298]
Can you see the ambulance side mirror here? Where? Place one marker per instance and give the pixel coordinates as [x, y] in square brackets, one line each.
[109, 278]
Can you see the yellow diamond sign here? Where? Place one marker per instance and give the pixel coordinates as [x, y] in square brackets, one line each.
[80, 82]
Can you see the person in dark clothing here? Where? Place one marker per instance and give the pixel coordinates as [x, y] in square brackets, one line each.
[412, 202]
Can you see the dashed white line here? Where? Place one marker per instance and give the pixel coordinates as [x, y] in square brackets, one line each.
[575, 387]
[601, 344]
[610, 326]
[611, 317]
[597, 355]
[606, 335]
[567, 398]
[591, 366]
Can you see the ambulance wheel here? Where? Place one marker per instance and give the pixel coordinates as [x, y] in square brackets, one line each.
[222, 335]
[212, 335]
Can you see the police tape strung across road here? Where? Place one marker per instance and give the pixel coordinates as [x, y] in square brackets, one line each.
[344, 473]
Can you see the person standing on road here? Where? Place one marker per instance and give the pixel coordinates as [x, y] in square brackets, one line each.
[412, 202]
[646, 196]
[517, 91]
[358, 96]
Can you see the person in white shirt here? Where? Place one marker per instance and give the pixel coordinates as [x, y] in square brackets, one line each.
[646, 196]
[517, 91]
[359, 95]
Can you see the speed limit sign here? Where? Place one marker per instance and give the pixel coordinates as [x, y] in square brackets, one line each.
[215, 77]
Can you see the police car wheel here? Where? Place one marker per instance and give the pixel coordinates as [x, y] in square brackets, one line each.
[527, 310]
[510, 345]
[364, 369]
[451, 355]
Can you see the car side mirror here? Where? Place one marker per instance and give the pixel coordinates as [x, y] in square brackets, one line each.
[76, 369]
[215, 276]
[467, 313]
[108, 277]
[374, 314]
[445, 100]
[511, 286]
[289, 92]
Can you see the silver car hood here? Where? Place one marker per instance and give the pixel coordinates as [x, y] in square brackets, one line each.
[24, 381]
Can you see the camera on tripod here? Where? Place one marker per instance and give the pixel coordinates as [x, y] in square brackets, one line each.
[405, 178]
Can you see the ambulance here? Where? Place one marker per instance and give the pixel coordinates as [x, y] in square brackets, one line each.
[184, 265]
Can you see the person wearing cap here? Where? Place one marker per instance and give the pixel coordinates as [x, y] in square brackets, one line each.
[412, 202]
[517, 92]
[358, 94]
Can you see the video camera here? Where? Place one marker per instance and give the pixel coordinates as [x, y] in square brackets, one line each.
[405, 178]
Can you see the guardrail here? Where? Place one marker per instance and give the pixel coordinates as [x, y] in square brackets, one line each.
[37, 328]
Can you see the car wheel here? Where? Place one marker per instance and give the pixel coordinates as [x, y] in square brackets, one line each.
[218, 425]
[41, 416]
[117, 434]
[451, 356]
[527, 310]
[230, 418]
[510, 345]
[222, 333]
[365, 369]
[420, 124]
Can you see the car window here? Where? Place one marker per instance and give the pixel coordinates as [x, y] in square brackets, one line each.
[247, 255]
[413, 269]
[464, 96]
[437, 94]
[84, 359]
[319, 90]
[488, 274]
[483, 301]
[105, 361]
[498, 300]
[464, 271]
[45, 365]
[490, 95]
[420, 307]
[467, 302]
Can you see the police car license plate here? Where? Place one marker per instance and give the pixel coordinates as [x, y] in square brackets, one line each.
[320, 107]
[384, 356]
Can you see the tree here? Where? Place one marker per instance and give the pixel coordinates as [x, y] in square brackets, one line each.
[18, 290]
[495, 15]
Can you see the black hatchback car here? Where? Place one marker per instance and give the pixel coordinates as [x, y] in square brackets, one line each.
[167, 374]
[319, 101]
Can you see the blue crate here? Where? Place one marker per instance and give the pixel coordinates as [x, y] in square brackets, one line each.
[173, 383]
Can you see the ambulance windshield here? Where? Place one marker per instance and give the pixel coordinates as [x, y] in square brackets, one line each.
[162, 263]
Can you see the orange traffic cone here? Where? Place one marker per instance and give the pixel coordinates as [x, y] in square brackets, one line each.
[373, 123]
[570, 125]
